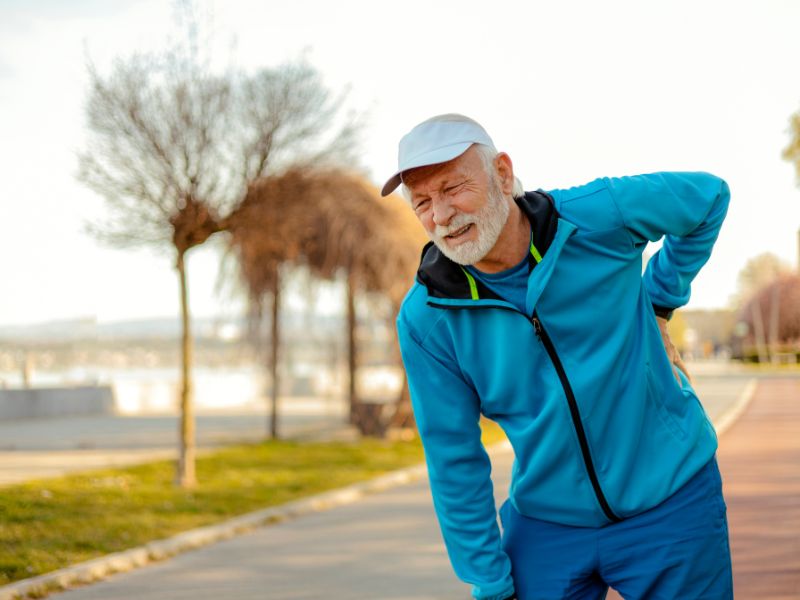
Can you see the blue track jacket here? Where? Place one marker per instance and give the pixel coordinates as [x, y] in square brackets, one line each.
[580, 382]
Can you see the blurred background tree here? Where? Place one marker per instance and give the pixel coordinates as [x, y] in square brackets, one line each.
[792, 151]
[757, 272]
[173, 146]
[336, 224]
[764, 304]
[778, 305]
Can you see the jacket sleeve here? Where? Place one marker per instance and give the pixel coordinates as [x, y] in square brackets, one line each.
[687, 208]
[447, 412]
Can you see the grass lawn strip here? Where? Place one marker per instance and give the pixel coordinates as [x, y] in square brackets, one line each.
[49, 524]
[109, 564]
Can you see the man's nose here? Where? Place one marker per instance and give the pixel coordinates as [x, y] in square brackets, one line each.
[442, 211]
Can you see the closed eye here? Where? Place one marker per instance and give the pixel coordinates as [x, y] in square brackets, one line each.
[453, 188]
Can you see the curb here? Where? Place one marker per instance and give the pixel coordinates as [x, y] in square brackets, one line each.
[100, 568]
[127, 560]
[730, 416]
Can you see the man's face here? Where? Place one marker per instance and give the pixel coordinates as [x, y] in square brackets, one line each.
[460, 205]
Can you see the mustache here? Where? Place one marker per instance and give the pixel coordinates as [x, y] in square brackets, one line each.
[458, 222]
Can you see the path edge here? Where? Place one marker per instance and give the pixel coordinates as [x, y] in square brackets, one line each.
[730, 416]
[127, 560]
[134, 558]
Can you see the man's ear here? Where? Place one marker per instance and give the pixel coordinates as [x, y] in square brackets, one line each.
[505, 172]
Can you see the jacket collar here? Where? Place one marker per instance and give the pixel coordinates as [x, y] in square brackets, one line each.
[445, 279]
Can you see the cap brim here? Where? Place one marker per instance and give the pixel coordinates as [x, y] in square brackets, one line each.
[438, 156]
[392, 184]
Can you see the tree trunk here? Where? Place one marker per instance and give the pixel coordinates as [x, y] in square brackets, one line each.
[273, 357]
[351, 345]
[186, 472]
[403, 414]
[758, 333]
[26, 369]
[774, 320]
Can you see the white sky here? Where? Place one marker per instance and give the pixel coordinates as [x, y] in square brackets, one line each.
[572, 90]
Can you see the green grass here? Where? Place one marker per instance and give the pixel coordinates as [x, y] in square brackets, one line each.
[49, 524]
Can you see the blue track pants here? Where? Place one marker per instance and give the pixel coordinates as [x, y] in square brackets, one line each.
[677, 550]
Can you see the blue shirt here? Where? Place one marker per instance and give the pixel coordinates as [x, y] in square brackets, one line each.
[511, 284]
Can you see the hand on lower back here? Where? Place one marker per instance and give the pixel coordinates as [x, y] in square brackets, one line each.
[672, 351]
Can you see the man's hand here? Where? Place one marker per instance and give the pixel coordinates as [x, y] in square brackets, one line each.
[672, 352]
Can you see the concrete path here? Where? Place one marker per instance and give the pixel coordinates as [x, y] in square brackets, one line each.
[38, 448]
[718, 393]
[387, 546]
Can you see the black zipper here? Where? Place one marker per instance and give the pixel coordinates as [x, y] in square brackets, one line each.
[576, 416]
[571, 402]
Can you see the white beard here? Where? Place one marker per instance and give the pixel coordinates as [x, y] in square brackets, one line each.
[488, 222]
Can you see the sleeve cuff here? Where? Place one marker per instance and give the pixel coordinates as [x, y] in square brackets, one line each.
[663, 311]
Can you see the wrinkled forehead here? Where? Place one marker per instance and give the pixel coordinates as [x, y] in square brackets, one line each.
[434, 175]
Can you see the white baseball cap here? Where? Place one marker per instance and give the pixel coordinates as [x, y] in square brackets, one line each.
[437, 140]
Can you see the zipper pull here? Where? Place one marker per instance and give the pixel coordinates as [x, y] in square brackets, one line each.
[537, 326]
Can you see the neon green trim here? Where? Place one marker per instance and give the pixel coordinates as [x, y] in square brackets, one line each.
[536, 256]
[473, 287]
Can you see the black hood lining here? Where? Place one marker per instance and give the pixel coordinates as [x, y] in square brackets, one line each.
[445, 279]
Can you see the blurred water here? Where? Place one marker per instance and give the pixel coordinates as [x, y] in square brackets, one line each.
[155, 390]
[142, 391]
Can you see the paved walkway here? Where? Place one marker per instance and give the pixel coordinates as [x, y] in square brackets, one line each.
[388, 546]
[760, 462]
[385, 547]
[759, 457]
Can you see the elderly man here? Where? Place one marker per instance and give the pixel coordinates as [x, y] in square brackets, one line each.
[531, 309]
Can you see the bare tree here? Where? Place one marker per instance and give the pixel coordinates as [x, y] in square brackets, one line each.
[173, 147]
[155, 127]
